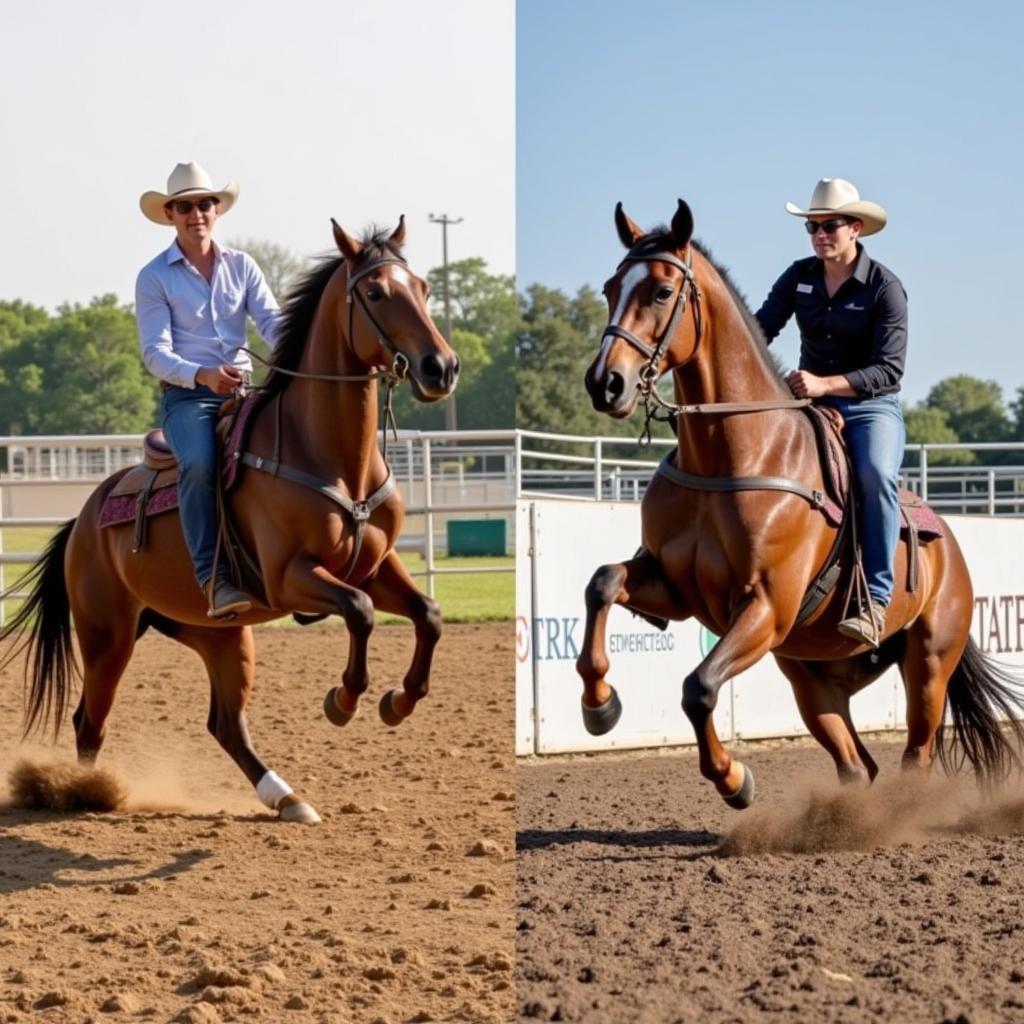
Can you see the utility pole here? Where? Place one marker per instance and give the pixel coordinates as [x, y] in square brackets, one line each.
[450, 417]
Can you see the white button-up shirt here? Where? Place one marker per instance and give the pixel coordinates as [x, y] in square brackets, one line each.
[186, 323]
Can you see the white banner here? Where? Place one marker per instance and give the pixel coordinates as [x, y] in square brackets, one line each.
[563, 543]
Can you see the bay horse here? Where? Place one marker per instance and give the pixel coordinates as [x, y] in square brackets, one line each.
[741, 560]
[358, 318]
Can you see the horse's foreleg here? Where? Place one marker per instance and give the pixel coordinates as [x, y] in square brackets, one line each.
[312, 589]
[393, 590]
[749, 637]
[640, 584]
[230, 659]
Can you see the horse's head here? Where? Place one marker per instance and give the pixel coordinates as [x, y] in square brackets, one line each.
[647, 333]
[387, 322]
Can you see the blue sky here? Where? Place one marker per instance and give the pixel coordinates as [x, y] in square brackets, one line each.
[739, 106]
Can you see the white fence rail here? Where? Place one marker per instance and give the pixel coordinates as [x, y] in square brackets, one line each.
[44, 481]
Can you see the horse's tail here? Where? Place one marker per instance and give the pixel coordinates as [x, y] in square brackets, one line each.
[48, 643]
[980, 694]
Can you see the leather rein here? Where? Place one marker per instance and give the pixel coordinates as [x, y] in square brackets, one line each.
[359, 511]
[651, 371]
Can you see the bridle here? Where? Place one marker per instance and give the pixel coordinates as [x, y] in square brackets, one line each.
[651, 370]
[391, 377]
[649, 373]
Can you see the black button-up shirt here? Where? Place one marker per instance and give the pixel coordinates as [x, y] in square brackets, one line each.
[860, 332]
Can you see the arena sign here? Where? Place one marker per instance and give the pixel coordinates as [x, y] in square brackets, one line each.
[561, 543]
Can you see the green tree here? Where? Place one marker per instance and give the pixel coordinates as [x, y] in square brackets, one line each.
[80, 373]
[485, 321]
[974, 408]
[930, 425]
[558, 341]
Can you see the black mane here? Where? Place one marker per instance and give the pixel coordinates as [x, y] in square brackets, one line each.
[301, 304]
[660, 240]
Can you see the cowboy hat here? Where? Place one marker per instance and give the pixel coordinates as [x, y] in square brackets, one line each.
[186, 180]
[837, 195]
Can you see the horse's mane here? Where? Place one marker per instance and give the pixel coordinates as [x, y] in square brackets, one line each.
[660, 239]
[303, 299]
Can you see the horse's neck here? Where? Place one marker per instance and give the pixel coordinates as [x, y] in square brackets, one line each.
[331, 426]
[729, 367]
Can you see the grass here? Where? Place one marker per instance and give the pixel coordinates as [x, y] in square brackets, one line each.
[483, 597]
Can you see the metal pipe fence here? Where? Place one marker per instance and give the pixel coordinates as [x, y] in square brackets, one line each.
[443, 476]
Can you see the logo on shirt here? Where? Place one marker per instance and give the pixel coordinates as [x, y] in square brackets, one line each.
[805, 288]
[851, 305]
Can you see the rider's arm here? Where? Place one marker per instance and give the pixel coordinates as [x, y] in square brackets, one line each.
[889, 344]
[153, 315]
[260, 303]
[776, 310]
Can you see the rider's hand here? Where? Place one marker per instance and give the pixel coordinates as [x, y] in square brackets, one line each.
[221, 380]
[806, 385]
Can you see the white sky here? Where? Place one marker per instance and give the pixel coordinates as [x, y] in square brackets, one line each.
[357, 110]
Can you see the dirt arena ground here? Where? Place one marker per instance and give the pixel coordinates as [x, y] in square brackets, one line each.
[642, 898]
[196, 905]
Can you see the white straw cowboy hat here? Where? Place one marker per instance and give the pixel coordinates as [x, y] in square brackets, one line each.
[186, 180]
[838, 196]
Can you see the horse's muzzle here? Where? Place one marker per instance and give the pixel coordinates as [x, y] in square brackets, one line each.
[435, 377]
[610, 394]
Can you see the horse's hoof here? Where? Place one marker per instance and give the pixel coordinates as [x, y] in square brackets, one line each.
[744, 796]
[336, 715]
[388, 714]
[604, 718]
[301, 812]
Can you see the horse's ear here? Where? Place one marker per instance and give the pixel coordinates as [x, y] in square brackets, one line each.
[629, 233]
[682, 225]
[398, 235]
[349, 247]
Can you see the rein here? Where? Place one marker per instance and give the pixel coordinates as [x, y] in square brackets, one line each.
[650, 371]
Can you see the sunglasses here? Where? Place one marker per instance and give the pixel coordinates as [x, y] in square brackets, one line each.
[184, 206]
[830, 227]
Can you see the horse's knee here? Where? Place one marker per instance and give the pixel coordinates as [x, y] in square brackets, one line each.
[430, 618]
[357, 610]
[604, 587]
[700, 696]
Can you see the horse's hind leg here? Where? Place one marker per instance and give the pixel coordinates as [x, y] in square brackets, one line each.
[935, 643]
[106, 649]
[393, 590]
[229, 655]
[823, 699]
[640, 584]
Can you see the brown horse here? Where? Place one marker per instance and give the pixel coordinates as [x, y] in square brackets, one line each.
[740, 561]
[358, 318]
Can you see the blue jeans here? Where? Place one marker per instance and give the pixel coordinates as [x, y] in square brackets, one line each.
[189, 418]
[875, 436]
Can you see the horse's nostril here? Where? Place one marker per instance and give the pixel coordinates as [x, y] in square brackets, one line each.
[432, 368]
[614, 386]
[456, 366]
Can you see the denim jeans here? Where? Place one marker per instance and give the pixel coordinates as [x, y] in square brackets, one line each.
[189, 417]
[875, 436]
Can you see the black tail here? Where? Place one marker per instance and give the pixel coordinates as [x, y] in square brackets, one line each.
[48, 642]
[980, 694]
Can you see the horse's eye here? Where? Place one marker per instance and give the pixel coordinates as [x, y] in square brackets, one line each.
[374, 294]
[664, 293]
